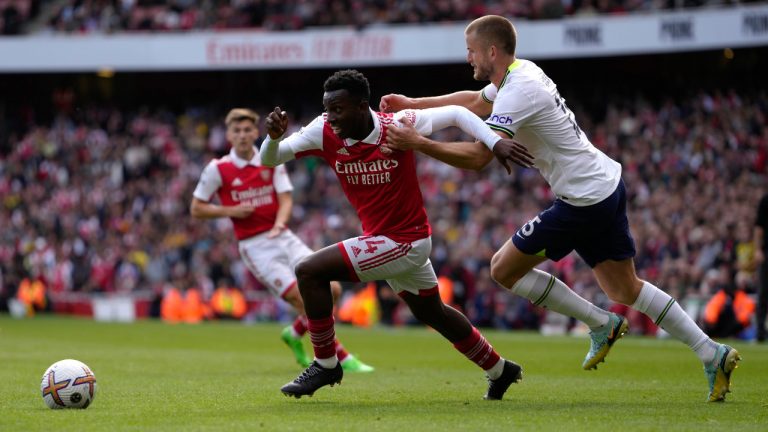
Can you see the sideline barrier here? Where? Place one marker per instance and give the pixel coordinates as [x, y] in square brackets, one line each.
[130, 307]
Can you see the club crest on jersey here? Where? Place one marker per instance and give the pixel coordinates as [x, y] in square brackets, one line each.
[278, 283]
[265, 175]
[356, 251]
[237, 182]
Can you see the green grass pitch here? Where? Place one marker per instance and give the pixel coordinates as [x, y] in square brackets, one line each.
[226, 376]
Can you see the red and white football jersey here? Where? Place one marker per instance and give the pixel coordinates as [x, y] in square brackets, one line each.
[238, 181]
[383, 188]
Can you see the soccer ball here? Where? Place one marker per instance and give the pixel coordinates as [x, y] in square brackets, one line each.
[68, 384]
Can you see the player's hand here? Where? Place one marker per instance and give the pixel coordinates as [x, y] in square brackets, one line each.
[507, 150]
[277, 123]
[405, 137]
[241, 211]
[276, 230]
[395, 103]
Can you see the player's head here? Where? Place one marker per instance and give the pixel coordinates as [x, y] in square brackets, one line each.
[489, 38]
[242, 130]
[346, 103]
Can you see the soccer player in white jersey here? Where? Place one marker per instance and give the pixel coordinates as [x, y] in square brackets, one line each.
[258, 200]
[589, 214]
[396, 243]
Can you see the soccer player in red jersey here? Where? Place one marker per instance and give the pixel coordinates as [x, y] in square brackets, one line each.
[258, 200]
[396, 243]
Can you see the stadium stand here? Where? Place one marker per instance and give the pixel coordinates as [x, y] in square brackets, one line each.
[15, 14]
[110, 16]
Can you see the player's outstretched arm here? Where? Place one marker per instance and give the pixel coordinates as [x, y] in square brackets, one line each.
[472, 100]
[272, 152]
[467, 155]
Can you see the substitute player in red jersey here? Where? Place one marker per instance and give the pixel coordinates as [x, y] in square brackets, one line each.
[396, 243]
[258, 200]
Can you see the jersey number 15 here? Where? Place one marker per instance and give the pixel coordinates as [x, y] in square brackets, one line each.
[560, 102]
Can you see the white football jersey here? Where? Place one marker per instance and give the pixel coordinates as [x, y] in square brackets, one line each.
[528, 108]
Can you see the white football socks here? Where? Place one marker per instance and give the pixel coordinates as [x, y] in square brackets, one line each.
[667, 314]
[545, 290]
[328, 363]
[496, 370]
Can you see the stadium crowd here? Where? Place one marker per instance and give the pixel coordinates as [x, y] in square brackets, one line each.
[97, 201]
[109, 16]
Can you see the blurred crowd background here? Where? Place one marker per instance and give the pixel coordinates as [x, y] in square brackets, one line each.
[97, 173]
[98, 201]
[111, 16]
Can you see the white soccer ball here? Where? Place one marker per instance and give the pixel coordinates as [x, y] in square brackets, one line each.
[68, 384]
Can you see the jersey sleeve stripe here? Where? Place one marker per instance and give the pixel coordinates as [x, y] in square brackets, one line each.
[485, 98]
[495, 127]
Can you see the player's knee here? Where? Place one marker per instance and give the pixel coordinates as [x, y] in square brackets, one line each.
[495, 259]
[622, 294]
[307, 269]
[502, 275]
[618, 296]
[623, 290]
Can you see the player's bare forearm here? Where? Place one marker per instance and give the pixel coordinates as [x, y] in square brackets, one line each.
[203, 210]
[472, 100]
[466, 155]
[285, 205]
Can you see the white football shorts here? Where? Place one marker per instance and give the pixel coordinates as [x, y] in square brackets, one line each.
[404, 266]
[273, 260]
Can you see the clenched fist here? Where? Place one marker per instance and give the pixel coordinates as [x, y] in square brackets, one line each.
[277, 123]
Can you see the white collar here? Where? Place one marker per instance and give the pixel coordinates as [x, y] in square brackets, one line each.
[373, 138]
[241, 163]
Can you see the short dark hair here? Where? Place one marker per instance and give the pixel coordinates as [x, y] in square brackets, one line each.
[495, 30]
[354, 82]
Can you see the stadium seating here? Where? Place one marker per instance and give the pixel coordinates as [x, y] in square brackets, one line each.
[79, 16]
